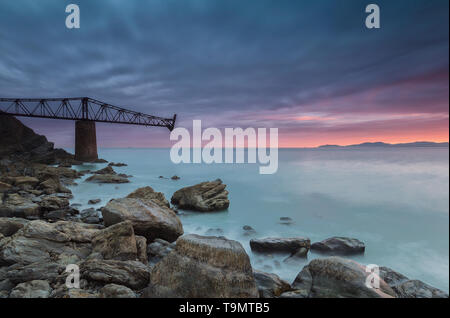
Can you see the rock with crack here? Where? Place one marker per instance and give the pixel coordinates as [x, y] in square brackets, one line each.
[336, 277]
[280, 245]
[270, 285]
[116, 242]
[31, 289]
[339, 246]
[202, 266]
[148, 194]
[132, 274]
[148, 218]
[203, 197]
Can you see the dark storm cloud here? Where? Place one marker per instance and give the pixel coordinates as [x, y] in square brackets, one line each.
[229, 61]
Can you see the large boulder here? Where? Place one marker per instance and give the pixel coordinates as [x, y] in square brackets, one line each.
[270, 285]
[407, 288]
[336, 277]
[339, 246]
[203, 197]
[202, 266]
[148, 218]
[148, 194]
[132, 274]
[31, 289]
[116, 242]
[280, 245]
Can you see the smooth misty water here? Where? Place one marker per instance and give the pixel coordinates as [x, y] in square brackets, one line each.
[395, 200]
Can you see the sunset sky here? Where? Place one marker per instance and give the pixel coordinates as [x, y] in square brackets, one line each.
[309, 68]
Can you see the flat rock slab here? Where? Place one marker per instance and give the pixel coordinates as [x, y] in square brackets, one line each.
[339, 246]
[107, 178]
[280, 245]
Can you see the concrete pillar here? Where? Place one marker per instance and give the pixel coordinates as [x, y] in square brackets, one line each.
[85, 141]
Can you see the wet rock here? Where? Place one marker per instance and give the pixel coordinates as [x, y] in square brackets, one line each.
[148, 218]
[286, 220]
[158, 249]
[175, 178]
[107, 170]
[406, 288]
[148, 194]
[116, 291]
[270, 285]
[64, 214]
[335, 277]
[94, 201]
[248, 230]
[297, 256]
[31, 289]
[132, 274]
[9, 226]
[107, 178]
[90, 216]
[339, 246]
[280, 245]
[116, 242]
[118, 164]
[203, 197]
[202, 266]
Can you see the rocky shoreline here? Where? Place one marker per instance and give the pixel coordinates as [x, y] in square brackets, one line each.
[136, 246]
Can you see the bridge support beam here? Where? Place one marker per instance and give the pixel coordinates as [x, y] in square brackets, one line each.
[85, 141]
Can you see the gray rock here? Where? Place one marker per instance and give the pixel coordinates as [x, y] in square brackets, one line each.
[9, 226]
[148, 218]
[203, 197]
[116, 242]
[280, 245]
[158, 249]
[202, 266]
[107, 178]
[148, 194]
[31, 289]
[406, 288]
[94, 201]
[270, 285]
[335, 277]
[132, 274]
[116, 291]
[339, 246]
[299, 255]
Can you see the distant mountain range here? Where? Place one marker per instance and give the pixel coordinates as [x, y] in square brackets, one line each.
[383, 144]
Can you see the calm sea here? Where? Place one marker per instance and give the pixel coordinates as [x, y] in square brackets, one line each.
[395, 200]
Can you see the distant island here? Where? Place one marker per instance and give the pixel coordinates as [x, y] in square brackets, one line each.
[422, 144]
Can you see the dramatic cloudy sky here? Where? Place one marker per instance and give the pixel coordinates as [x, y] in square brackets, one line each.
[309, 68]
